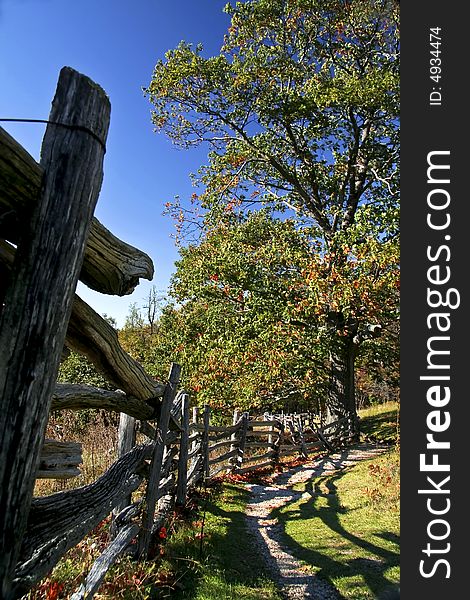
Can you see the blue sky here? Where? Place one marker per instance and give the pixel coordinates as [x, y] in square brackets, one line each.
[116, 43]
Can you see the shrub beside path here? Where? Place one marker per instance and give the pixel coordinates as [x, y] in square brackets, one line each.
[287, 572]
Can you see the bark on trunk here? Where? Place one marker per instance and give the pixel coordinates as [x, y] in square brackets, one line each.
[341, 400]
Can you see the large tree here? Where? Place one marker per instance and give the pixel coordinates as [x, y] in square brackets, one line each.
[300, 110]
[254, 319]
[250, 339]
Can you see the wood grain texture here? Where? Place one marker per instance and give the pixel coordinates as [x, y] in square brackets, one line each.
[157, 461]
[39, 299]
[59, 460]
[58, 522]
[77, 397]
[218, 445]
[101, 565]
[126, 441]
[223, 457]
[91, 335]
[182, 484]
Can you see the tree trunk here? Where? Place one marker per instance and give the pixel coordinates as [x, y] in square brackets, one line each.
[341, 401]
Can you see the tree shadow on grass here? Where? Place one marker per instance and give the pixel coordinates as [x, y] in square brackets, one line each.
[371, 569]
[230, 556]
[382, 427]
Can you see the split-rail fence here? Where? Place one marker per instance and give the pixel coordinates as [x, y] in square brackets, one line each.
[49, 240]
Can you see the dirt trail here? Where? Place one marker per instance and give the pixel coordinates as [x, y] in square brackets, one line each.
[285, 569]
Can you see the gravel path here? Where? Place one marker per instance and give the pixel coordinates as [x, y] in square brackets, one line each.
[285, 569]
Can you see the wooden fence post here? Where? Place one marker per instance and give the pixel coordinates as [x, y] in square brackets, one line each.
[270, 439]
[303, 447]
[272, 430]
[242, 441]
[126, 441]
[157, 461]
[205, 440]
[183, 454]
[38, 302]
[277, 444]
[194, 421]
[126, 434]
[100, 567]
[233, 439]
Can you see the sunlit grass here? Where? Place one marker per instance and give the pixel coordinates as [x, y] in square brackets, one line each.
[225, 566]
[346, 526]
[381, 422]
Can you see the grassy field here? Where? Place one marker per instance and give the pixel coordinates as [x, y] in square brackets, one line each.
[225, 566]
[381, 423]
[346, 526]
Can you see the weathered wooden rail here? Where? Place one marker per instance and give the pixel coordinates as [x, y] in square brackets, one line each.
[195, 453]
[252, 444]
[49, 239]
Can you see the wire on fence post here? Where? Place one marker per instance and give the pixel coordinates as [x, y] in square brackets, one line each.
[59, 124]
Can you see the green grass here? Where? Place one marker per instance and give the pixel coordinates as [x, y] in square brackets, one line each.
[225, 567]
[228, 567]
[380, 423]
[346, 526]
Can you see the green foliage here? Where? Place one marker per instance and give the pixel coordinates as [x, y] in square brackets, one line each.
[150, 343]
[77, 369]
[251, 321]
[300, 109]
[253, 326]
[300, 114]
[240, 289]
[141, 335]
[135, 335]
